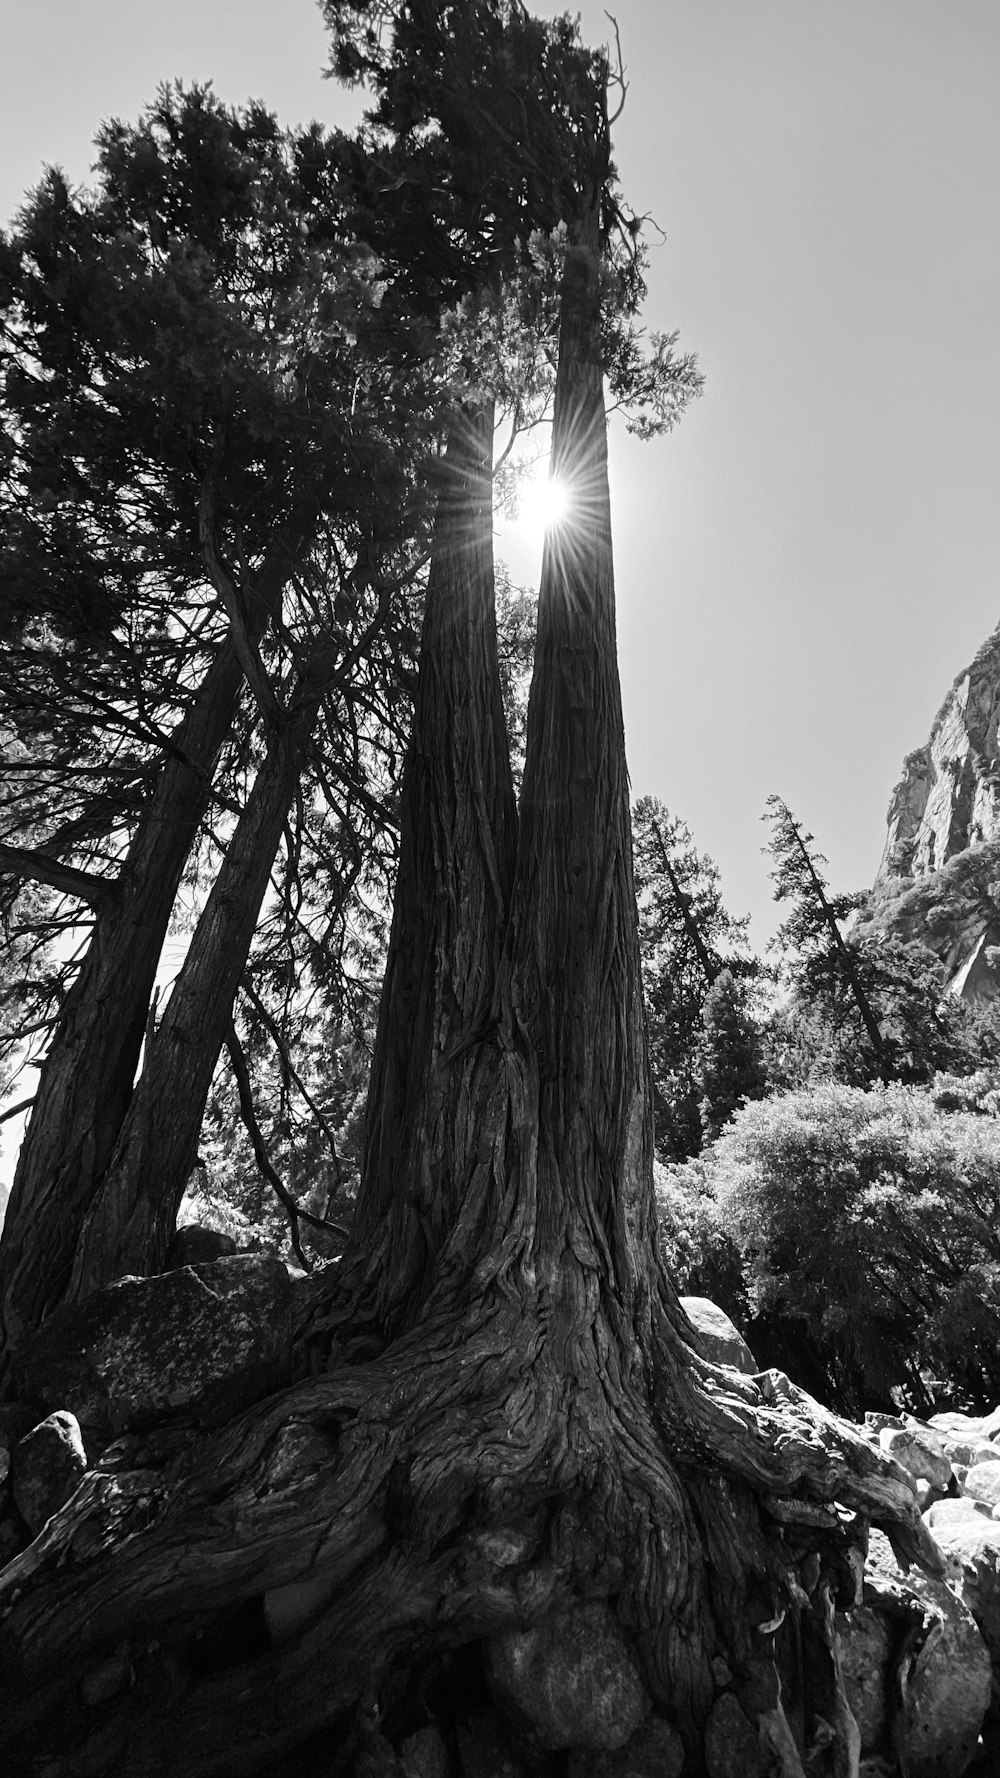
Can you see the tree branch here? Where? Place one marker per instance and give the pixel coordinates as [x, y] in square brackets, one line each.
[296, 1214]
[15, 1110]
[246, 649]
[270, 1025]
[98, 892]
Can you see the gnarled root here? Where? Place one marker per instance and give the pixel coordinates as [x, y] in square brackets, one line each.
[207, 1603]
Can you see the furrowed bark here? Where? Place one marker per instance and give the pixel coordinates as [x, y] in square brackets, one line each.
[458, 826]
[86, 1079]
[133, 1213]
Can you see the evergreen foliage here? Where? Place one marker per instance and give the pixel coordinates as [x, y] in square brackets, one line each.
[687, 939]
[728, 1058]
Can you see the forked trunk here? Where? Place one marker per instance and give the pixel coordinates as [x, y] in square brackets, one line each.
[87, 1076]
[538, 1434]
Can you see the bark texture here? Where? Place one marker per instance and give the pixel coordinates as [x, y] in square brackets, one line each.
[536, 1430]
[86, 1079]
[452, 896]
[131, 1218]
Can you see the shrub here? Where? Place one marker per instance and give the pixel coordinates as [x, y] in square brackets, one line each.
[868, 1223]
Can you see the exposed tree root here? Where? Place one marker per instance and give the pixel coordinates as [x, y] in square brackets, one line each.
[459, 1485]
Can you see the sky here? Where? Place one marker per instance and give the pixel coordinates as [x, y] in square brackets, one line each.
[808, 561]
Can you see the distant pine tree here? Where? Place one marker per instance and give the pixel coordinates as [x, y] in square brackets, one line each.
[728, 1064]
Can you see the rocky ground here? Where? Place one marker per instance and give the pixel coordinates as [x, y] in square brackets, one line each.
[920, 1656]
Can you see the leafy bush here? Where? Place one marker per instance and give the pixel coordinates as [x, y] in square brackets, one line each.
[868, 1224]
[701, 1258]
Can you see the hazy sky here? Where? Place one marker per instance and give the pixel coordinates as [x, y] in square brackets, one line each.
[805, 566]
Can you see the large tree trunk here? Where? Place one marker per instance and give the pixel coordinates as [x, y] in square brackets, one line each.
[457, 838]
[88, 1073]
[133, 1212]
[539, 1434]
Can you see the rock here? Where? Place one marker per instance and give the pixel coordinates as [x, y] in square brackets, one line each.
[654, 1751]
[947, 1674]
[718, 1338]
[425, 1754]
[971, 1427]
[573, 1681]
[48, 1465]
[195, 1245]
[484, 1750]
[967, 1452]
[919, 1451]
[974, 1544]
[732, 1745]
[947, 804]
[875, 1422]
[864, 1641]
[945, 1512]
[203, 1341]
[982, 1482]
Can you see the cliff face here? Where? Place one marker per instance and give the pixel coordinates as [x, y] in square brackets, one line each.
[949, 795]
[939, 880]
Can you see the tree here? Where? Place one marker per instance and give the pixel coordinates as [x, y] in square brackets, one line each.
[823, 964]
[529, 1426]
[867, 1004]
[686, 938]
[239, 527]
[728, 1065]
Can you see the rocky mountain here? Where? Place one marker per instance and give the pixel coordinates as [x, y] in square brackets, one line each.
[939, 880]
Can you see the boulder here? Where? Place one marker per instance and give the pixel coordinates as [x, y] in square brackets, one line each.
[945, 1512]
[919, 1451]
[202, 1341]
[971, 1427]
[966, 1452]
[946, 1678]
[982, 1482]
[874, 1422]
[718, 1338]
[654, 1751]
[195, 1245]
[48, 1466]
[572, 1681]
[974, 1545]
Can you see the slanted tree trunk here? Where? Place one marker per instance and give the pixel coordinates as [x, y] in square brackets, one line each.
[87, 1076]
[133, 1212]
[540, 1433]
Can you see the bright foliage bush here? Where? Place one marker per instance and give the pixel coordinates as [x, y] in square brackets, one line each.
[867, 1225]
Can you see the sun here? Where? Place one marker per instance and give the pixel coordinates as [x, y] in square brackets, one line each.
[544, 503]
